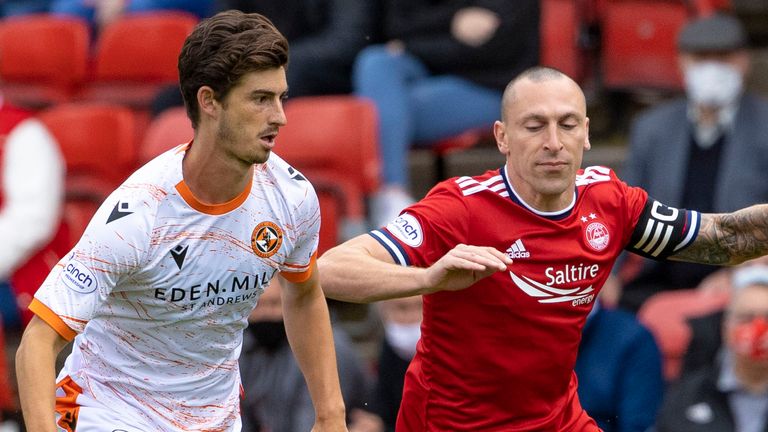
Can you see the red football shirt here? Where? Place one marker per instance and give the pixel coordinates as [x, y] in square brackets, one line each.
[499, 355]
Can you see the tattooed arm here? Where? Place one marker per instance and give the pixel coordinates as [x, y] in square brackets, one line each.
[729, 238]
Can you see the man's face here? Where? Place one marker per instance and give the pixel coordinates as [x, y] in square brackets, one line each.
[543, 136]
[748, 308]
[251, 114]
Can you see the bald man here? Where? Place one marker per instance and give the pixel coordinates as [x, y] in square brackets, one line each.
[511, 261]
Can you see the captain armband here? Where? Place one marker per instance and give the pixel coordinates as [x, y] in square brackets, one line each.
[662, 230]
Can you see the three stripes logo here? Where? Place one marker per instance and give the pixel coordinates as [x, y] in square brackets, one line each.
[517, 250]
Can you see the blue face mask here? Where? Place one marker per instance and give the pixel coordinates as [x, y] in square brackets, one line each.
[713, 83]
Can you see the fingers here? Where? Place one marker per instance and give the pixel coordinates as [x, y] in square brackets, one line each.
[479, 258]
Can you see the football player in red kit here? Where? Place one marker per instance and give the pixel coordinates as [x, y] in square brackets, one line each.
[511, 262]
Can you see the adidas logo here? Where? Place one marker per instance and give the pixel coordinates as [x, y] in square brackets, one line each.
[517, 250]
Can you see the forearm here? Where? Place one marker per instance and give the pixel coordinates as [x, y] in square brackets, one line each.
[308, 327]
[730, 238]
[351, 276]
[36, 374]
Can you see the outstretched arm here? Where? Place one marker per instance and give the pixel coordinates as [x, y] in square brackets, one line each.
[361, 270]
[36, 374]
[308, 326]
[729, 238]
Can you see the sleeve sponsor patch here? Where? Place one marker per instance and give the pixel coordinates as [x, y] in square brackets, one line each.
[407, 229]
[662, 230]
[79, 278]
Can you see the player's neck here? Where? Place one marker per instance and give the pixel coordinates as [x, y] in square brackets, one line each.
[212, 177]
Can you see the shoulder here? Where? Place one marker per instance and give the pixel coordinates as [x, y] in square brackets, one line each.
[290, 182]
[487, 185]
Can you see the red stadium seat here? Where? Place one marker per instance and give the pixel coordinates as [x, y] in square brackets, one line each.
[43, 59]
[136, 56]
[98, 142]
[639, 44]
[169, 129]
[666, 314]
[561, 24]
[333, 139]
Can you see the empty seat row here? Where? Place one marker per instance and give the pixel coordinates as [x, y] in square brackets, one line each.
[48, 59]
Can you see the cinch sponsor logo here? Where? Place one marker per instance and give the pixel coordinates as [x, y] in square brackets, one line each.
[79, 278]
[550, 293]
[407, 229]
[517, 250]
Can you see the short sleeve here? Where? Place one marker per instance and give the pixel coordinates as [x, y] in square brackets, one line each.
[306, 235]
[427, 230]
[111, 248]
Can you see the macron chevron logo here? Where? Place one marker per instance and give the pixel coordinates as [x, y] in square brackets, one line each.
[517, 250]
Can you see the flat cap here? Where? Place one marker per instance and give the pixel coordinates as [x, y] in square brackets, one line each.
[718, 32]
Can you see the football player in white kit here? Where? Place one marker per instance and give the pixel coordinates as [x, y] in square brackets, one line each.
[156, 293]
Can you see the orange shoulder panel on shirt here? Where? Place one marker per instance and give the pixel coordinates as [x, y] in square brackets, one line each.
[53, 320]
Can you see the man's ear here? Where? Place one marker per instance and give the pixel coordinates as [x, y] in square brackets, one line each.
[587, 144]
[500, 133]
[206, 99]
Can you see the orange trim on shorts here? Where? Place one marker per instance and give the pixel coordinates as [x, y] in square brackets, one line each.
[53, 320]
[212, 209]
[66, 406]
[298, 277]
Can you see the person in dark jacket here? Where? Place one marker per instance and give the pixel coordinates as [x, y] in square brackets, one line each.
[440, 73]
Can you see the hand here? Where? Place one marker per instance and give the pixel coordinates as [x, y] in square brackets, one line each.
[464, 265]
[395, 47]
[474, 26]
[364, 421]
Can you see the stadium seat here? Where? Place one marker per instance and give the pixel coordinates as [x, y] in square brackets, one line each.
[561, 25]
[136, 56]
[43, 59]
[98, 142]
[169, 129]
[666, 314]
[442, 148]
[333, 140]
[639, 44]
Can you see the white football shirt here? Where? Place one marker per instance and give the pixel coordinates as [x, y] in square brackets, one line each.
[158, 289]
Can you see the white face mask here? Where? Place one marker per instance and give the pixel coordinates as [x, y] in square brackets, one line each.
[713, 83]
[403, 338]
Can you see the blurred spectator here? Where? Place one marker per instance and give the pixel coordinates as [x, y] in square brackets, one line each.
[325, 37]
[276, 395]
[441, 73]
[31, 200]
[731, 395]
[707, 151]
[30, 210]
[619, 370]
[402, 329]
[706, 334]
[102, 12]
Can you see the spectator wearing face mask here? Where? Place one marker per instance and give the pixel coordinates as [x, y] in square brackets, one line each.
[732, 395]
[706, 151]
[276, 396]
[402, 329]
